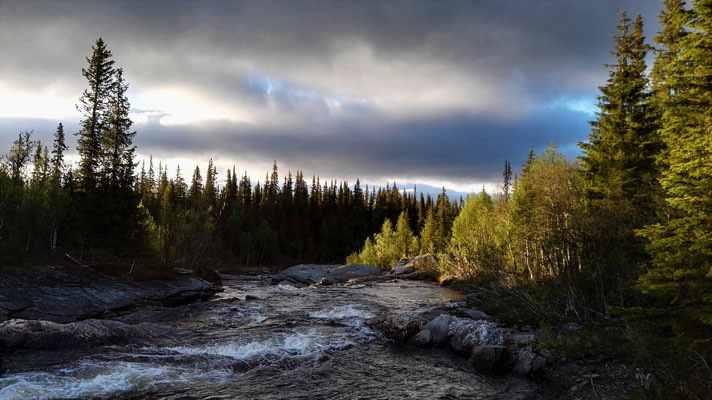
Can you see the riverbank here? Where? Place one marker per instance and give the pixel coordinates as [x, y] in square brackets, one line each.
[252, 340]
[67, 293]
[356, 301]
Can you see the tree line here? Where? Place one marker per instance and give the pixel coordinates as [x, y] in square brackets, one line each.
[277, 221]
[105, 208]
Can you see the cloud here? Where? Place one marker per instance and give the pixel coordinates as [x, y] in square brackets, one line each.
[436, 91]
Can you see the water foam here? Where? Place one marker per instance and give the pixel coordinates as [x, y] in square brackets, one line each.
[342, 312]
[295, 344]
[95, 379]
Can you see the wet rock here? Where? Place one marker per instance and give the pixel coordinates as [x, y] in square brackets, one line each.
[398, 327]
[528, 363]
[438, 328]
[182, 271]
[66, 302]
[45, 335]
[422, 339]
[400, 267]
[475, 313]
[473, 298]
[466, 333]
[345, 273]
[375, 278]
[456, 303]
[304, 274]
[491, 359]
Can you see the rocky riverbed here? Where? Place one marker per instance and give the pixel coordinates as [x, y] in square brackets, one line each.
[266, 337]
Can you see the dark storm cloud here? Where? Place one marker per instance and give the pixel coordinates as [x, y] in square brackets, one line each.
[456, 148]
[504, 72]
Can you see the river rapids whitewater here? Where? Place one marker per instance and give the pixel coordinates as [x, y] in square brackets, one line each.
[257, 341]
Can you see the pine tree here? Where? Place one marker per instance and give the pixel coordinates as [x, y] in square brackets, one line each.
[58, 153]
[210, 191]
[507, 175]
[196, 186]
[619, 169]
[117, 139]
[681, 245]
[94, 104]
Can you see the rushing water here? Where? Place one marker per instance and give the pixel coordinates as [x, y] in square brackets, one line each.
[286, 343]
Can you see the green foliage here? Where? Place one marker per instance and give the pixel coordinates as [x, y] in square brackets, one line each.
[546, 209]
[430, 242]
[477, 244]
[681, 245]
[609, 342]
[405, 243]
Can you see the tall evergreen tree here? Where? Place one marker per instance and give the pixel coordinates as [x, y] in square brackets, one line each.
[58, 150]
[681, 245]
[94, 105]
[619, 168]
[117, 139]
[507, 185]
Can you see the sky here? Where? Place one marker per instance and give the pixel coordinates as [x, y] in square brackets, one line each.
[433, 93]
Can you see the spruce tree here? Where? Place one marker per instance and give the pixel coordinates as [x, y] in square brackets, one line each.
[507, 185]
[94, 106]
[58, 150]
[117, 139]
[681, 245]
[619, 169]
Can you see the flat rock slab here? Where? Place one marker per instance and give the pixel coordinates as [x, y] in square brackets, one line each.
[305, 274]
[45, 335]
[347, 272]
[64, 302]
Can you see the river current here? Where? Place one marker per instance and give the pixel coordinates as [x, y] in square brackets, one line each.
[257, 341]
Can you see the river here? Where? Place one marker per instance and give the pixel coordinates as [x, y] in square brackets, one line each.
[270, 342]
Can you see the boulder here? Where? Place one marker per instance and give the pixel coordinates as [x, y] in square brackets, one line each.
[304, 274]
[398, 327]
[425, 265]
[466, 333]
[422, 339]
[401, 267]
[346, 273]
[438, 328]
[491, 359]
[528, 363]
[475, 313]
[46, 335]
[474, 298]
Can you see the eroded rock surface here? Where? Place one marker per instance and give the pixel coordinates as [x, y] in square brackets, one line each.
[347, 272]
[304, 274]
[19, 334]
[67, 301]
[398, 327]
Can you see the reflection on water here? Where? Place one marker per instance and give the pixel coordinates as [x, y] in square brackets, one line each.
[283, 342]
